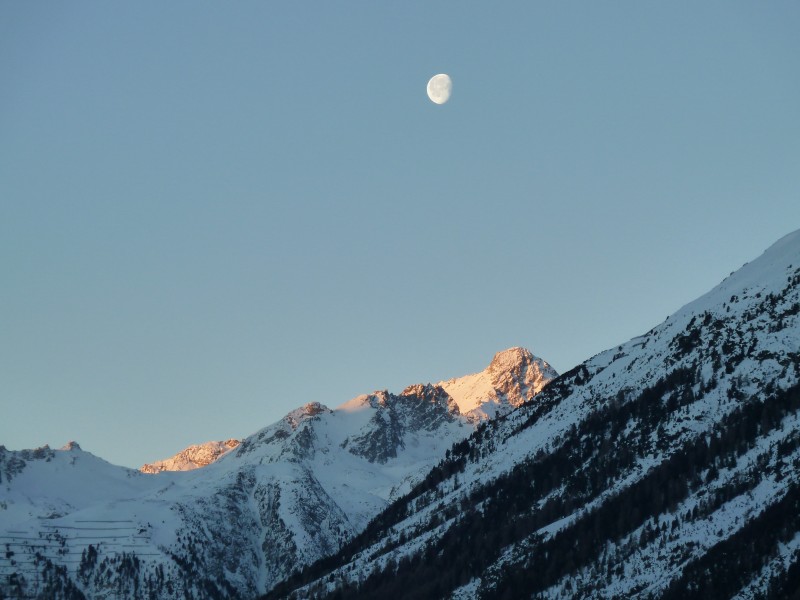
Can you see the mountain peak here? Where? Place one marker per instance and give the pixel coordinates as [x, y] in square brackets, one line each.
[514, 376]
[308, 411]
[431, 394]
[71, 446]
[519, 374]
[512, 358]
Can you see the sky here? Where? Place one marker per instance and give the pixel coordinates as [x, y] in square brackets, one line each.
[213, 213]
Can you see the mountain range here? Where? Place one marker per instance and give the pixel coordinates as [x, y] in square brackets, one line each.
[665, 467]
[231, 519]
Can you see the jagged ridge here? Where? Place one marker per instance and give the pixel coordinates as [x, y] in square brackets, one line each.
[193, 457]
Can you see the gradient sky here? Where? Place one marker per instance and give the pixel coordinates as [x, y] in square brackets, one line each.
[212, 213]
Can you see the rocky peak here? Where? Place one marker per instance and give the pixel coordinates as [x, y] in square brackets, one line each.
[511, 359]
[188, 459]
[305, 412]
[425, 391]
[431, 395]
[379, 399]
[519, 375]
[514, 376]
[314, 408]
[420, 409]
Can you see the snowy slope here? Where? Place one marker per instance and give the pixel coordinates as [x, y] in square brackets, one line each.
[667, 467]
[48, 483]
[55, 504]
[284, 497]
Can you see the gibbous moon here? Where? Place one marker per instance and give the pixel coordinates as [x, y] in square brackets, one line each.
[439, 88]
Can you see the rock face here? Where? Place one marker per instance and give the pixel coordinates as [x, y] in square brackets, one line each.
[518, 375]
[286, 496]
[419, 408]
[193, 457]
[667, 467]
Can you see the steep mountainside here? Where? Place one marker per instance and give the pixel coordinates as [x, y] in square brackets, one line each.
[74, 526]
[193, 457]
[668, 467]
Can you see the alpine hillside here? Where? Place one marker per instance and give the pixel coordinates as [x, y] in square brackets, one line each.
[75, 526]
[666, 467]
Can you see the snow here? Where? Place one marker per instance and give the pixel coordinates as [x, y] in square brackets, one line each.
[467, 592]
[307, 485]
[787, 554]
[470, 391]
[739, 304]
[297, 489]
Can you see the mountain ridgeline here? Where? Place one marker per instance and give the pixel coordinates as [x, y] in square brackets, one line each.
[193, 457]
[231, 519]
[667, 467]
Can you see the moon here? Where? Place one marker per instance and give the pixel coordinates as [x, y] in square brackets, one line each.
[439, 88]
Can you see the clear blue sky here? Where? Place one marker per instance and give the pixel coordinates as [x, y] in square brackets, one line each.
[211, 213]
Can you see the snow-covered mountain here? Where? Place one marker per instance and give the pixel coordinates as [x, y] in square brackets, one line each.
[666, 467]
[292, 493]
[193, 457]
[513, 377]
